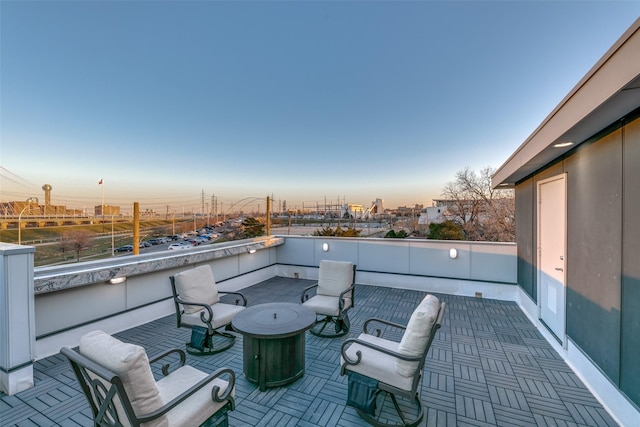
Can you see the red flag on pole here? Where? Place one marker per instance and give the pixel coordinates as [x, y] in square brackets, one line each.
[100, 182]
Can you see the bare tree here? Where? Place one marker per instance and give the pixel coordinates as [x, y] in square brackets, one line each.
[483, 212]
[76, 241]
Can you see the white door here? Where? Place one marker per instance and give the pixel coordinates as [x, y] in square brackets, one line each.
[552, 225]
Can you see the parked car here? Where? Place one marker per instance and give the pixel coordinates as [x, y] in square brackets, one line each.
[125, 248]
[178, 246]
[145, 244]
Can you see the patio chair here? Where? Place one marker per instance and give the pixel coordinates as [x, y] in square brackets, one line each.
[198, 307]
[117, 380]
[334, 296]
[378, 366]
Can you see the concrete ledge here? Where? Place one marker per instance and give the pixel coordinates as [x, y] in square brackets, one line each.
[51, 279]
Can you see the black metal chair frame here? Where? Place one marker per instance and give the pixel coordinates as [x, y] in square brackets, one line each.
[386, 388]
[216, 340]
[102, 395]
[341, 322]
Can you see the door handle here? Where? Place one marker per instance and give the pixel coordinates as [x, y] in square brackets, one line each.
[559, 269]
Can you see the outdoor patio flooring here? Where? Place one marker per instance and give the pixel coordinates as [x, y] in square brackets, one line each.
[488, 366]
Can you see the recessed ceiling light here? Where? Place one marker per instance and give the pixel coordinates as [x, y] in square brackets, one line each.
[563, 144]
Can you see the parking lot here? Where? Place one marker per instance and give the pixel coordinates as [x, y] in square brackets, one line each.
[180, 241]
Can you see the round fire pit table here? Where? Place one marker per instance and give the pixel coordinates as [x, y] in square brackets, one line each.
[273, 342]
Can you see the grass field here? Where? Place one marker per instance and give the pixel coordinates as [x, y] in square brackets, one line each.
[49, 250]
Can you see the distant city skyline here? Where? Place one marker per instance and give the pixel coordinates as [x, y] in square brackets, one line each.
[24, 193]
[302, 101]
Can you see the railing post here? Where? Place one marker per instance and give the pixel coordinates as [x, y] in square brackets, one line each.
[17, 318]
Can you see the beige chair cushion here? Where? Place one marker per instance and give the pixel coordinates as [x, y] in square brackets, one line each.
[197, 408]
[222, 315]
[197, 285]
[375, 364]
[416, 336]
[131, 364]
[326, 305]
[334, 277]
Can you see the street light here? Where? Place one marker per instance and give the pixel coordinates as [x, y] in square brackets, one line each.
[19, 225]
[112, 238]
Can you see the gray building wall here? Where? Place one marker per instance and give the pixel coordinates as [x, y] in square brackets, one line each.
[525, 237]
[630, 328]
[603, 248]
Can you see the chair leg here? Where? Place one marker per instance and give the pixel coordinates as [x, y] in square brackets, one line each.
[216, 343]
[374, 420]
[318, 328]
[219, 419]
[344, 323]
[341, 326]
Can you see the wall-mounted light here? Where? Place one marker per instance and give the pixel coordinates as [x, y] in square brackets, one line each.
[563, 144]
[325, 247]
[252, 251]
[117, 280]
[453, 253]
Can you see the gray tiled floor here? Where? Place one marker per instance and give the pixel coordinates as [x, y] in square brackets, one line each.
[488, 366]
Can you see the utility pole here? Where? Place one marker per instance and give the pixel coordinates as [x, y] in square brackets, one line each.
[268, 221]
[136, 228]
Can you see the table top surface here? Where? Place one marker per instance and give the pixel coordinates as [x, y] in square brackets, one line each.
[274, 320]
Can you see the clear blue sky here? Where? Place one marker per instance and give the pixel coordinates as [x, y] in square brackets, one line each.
[300, 100]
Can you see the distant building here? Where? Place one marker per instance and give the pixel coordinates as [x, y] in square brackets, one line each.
[32, 207]
[432, 215]
[376, 208]
[352, 210]
[106, 210]
[16, 208]
[408, 211]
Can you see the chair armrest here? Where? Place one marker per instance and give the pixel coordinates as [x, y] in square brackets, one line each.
[215, 396]
[348, 361]
[378, 333]
[304, 297]
[342, 294]
[183, 302]
[244, 299]
[203, 315]
[166, 366]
